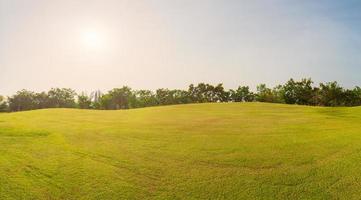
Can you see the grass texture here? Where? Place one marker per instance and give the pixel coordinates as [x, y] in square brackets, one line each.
[197, 151]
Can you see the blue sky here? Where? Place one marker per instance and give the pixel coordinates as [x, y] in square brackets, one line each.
[89, 45]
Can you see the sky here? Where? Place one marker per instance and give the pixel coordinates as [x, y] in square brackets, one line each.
[147, 44]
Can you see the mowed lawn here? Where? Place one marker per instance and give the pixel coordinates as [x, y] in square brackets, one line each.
[198, 151]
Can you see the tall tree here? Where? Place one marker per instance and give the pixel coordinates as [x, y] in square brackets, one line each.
[3, 104]
[207, 93]
[298, 92]
[278, 94]
[144, 98]
[219, 94]
[242, 94]
[22, 100]
[117, 98]
[264, 94]
[181, 97]
[84, 101]
[164, 96]
[41, 100]
[62, 98]
[331, 94]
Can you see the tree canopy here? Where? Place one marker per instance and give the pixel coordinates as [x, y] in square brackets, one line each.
[302, 92]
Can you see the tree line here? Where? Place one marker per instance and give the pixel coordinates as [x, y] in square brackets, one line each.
[302, 92]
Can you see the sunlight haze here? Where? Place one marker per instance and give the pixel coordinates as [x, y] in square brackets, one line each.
[90, 45]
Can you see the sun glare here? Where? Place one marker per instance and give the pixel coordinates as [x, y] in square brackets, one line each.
[92, 39]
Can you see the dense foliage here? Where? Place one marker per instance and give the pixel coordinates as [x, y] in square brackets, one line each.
[301, 92]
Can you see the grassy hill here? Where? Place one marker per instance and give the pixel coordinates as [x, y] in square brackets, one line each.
[204, 151]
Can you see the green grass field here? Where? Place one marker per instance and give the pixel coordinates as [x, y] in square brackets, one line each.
[199, 151]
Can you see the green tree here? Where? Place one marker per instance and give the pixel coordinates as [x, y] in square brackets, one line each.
[61, 98]
[164, 96]
[144, 98]
[352, 97]
[22, 100]
[219, 94]
[207, 93]
[331, 94]
[41, 100]
[117, 98]
[198, 93]
[298, 92]
[84, 101]
[242, 94]
[278, 94]
[264, 94]
[181, 97]
[3, 105]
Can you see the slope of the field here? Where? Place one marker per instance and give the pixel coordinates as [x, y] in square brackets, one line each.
[204, 151]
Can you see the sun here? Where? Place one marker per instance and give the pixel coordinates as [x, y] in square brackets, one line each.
[92, 39]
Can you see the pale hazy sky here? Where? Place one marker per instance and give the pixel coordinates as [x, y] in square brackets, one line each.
[101, 44]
